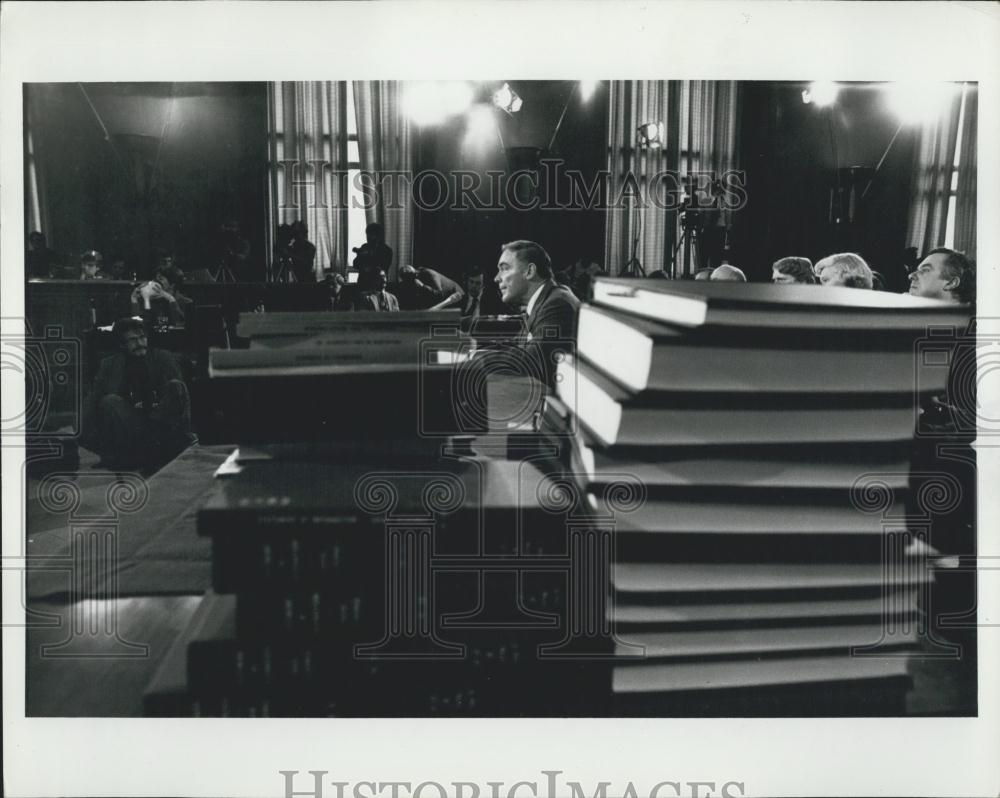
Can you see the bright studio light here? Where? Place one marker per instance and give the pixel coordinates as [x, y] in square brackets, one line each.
[920, 102]
[651, 134]
[821, 93]
[432, 102]
[480, 127]
[587, 89]
[507, 100]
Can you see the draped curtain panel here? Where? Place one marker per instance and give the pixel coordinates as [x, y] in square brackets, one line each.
[386, 146]
[965, 202]
[700, 121]
[634, 103]
[307, 143]
[933, 167]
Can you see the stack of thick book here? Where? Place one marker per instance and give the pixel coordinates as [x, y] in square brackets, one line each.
[765, 567]
[309, 376]
[354, 590]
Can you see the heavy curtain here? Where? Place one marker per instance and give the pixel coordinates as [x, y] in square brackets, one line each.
[933, 167]
[700, 120]
[386, 146]
[307, 151]
[965, 201]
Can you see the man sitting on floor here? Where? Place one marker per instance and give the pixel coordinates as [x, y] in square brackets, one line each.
[138, 414]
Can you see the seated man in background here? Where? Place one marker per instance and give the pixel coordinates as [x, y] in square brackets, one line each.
[427, 289]
[373, 294]
[472, 303]
[162, 295]
[524, 276]
[39, 260]
[846, 269]
[945, 274]
[727, 273]
[91, 262]
[339, 296]
[786, 271]
[138, 414]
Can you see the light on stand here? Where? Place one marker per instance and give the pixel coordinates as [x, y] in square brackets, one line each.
[507, 100]
[652, 134]
[821, 93]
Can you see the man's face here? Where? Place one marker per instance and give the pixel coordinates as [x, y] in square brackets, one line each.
[135, 343]
[90, 267]
[929, 280]
[475, 285]
[831, 275]
[781, 279]
[513, 279]
[380, 280]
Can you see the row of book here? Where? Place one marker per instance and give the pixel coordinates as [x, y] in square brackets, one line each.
[767, 566]
[378, 568]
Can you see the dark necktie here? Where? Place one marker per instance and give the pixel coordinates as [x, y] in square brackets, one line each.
[383, 303]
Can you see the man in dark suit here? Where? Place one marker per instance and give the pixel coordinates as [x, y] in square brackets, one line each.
[138, 414]
[374, 296]
[524, 276]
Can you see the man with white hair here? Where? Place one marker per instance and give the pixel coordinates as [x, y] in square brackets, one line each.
[845, 268]
[728, 273]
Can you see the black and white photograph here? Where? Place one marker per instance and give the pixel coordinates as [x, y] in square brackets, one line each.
[491, 401]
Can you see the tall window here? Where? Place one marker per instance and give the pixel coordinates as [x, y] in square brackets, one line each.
[949, 228]
[356, 220]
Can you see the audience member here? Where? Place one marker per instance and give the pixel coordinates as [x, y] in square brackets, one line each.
[303, 253]
[727, 273]
[339, 299]
[39, 260]
[580, 276]
[91, 262]
[472, 304]
[524, 276]
[945, 274]
[792, 269]
[162, 297]
[846, 269]
[373, 294]
[138, 414]
[658, 274]
[234, 251]
[704, 274]
[374, 254]
[427, 289]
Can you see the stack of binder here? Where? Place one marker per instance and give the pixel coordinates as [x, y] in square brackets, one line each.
[769, 566]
